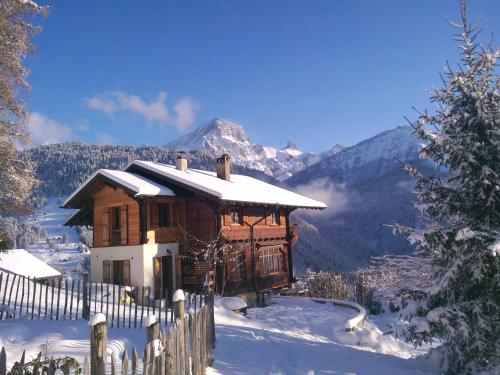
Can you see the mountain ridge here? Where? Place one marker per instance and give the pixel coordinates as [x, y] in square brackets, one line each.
[219, 136]
[363, 185]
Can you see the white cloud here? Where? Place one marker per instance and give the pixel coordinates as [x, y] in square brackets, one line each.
[155, 111]
[45, 130]
[104, 139]
[101, 103]
[335, 196]
[186, 110]
[83, 126]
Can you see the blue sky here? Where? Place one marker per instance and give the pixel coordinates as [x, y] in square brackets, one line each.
[316, 72]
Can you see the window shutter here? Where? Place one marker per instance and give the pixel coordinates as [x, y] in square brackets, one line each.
[105, 226]
[124, 224]
[106, 271]
[126, 272]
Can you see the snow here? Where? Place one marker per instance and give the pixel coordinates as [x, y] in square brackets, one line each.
[140, 185]
[21, 262]
[157, 348]
[150, 320]
[299, 336]
[96, 319]
[65, 257]
[292, 336]
[221, 136]
[178, 295]
[61, 338]
[233, 303]
[239, 189]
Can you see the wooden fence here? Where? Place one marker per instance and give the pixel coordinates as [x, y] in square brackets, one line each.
[58, 299]
[184, 347]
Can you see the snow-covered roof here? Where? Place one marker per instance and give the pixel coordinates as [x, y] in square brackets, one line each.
[24, 263]
[239, 189]
[140, 185]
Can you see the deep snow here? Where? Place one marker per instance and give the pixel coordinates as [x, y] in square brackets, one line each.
[299, 336]
[292, 336]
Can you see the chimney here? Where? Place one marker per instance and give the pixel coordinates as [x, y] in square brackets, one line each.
[181, 163]
[223, 165]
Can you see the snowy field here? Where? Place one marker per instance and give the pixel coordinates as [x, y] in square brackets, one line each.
[292, 336]
[299, 336]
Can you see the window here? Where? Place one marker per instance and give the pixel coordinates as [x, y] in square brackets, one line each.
[121, 272]
[163, 215]
[275, 217]
[271, 260]
[236, 216]
[116, 227]
[115, 211]
[238, 266]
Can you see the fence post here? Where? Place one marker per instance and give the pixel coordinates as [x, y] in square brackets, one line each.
[98, 343]
[85, 307]
[179, 304]
[152, 328]
[3, 362]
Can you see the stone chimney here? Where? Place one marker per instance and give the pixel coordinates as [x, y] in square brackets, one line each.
[181, 163]
[223, 165]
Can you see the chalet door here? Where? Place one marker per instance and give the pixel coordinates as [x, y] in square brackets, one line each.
[167, 274]
[163, 276]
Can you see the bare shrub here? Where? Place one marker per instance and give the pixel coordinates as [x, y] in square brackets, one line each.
[327, 284]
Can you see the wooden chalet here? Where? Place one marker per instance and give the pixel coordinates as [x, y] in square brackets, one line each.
[154, 223]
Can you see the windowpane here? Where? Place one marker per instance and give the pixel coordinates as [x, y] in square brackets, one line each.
[116, 218]
[236, 216]
[163, 212]
[271, 261]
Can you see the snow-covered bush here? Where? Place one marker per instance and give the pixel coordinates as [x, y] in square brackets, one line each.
[389, 280]
[326, 284]
[86, 235]
[462, 212]
[20, 234]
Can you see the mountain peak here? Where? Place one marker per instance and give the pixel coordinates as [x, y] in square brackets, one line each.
[216, 136]
[291, 145]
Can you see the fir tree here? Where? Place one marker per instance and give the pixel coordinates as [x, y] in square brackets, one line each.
[461, 211]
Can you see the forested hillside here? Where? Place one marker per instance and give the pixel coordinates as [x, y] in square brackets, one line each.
[61, 168]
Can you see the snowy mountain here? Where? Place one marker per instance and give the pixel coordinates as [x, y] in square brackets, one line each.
[366, 190]
[219, 136]
[363, 185]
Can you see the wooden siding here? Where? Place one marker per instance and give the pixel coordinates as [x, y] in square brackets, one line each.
[109, 197]
[260, 218]
[190, 219]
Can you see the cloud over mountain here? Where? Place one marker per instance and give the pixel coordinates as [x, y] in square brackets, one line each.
[156, 111]
[45, 130]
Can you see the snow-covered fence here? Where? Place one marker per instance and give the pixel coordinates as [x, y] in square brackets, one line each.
[185, 346]
[58, 299]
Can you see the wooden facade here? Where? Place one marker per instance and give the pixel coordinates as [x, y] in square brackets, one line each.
[250, 243]
[257, 245]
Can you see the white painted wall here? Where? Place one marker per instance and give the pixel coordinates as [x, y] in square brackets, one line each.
[141, 260]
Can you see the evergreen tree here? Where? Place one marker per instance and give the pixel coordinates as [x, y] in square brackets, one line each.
[461, 211]
[16, 174]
